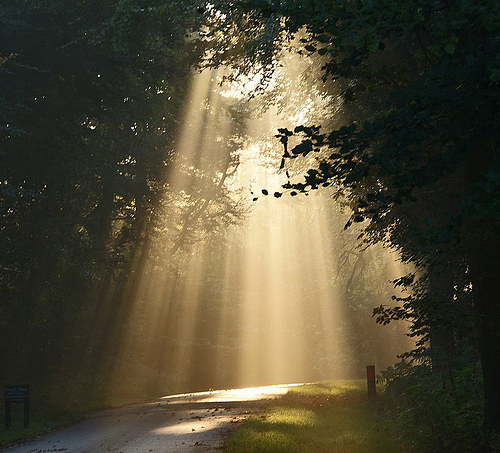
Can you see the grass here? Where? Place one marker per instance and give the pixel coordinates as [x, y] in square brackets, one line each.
[39, 424]
[327, 417]
[58, 411]
[45, 420]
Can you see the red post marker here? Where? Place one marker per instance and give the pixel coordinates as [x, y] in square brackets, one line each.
[370, 379]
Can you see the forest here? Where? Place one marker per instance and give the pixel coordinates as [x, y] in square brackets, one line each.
[116, 214]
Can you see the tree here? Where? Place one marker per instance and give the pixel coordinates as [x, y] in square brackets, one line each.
[421, 161]
[91, 93]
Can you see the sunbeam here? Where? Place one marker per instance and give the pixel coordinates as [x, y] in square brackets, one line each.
[233, 292]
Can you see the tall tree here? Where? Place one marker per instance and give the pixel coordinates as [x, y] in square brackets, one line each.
[91, 93]
[420, 162]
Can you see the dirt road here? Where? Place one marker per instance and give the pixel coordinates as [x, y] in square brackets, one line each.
[195, 422]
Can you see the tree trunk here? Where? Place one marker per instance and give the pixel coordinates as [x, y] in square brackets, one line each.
[441, 333]
[485, 267]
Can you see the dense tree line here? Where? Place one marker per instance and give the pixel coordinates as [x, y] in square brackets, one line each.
[90, 97]
[419, 158]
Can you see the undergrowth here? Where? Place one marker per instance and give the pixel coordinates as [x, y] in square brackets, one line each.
[435, 411]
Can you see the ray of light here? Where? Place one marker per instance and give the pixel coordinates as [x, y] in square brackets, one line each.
[268, 299]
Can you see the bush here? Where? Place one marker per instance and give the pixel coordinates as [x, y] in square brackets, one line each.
[435, 411]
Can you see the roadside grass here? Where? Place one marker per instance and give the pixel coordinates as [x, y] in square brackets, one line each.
[327, 417]
[59, 409]
[50, 411]
[18, 433]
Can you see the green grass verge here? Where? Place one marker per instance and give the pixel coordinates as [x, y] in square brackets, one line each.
[57, 415]
[331, 416]
[18, 433]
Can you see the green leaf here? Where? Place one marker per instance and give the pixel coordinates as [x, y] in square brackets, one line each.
[450, 48]
[323, 39]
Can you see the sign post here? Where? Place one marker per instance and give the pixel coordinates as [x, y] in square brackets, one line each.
[370, 379]
[17, 394]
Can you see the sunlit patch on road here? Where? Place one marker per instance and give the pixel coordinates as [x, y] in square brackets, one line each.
[173, 424]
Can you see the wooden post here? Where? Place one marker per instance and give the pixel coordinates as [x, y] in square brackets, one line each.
[27, 411]
[370, 379]
[7, 414]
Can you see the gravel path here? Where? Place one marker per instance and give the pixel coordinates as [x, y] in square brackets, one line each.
[195, 422]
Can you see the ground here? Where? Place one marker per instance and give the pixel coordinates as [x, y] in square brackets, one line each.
[196, 422]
